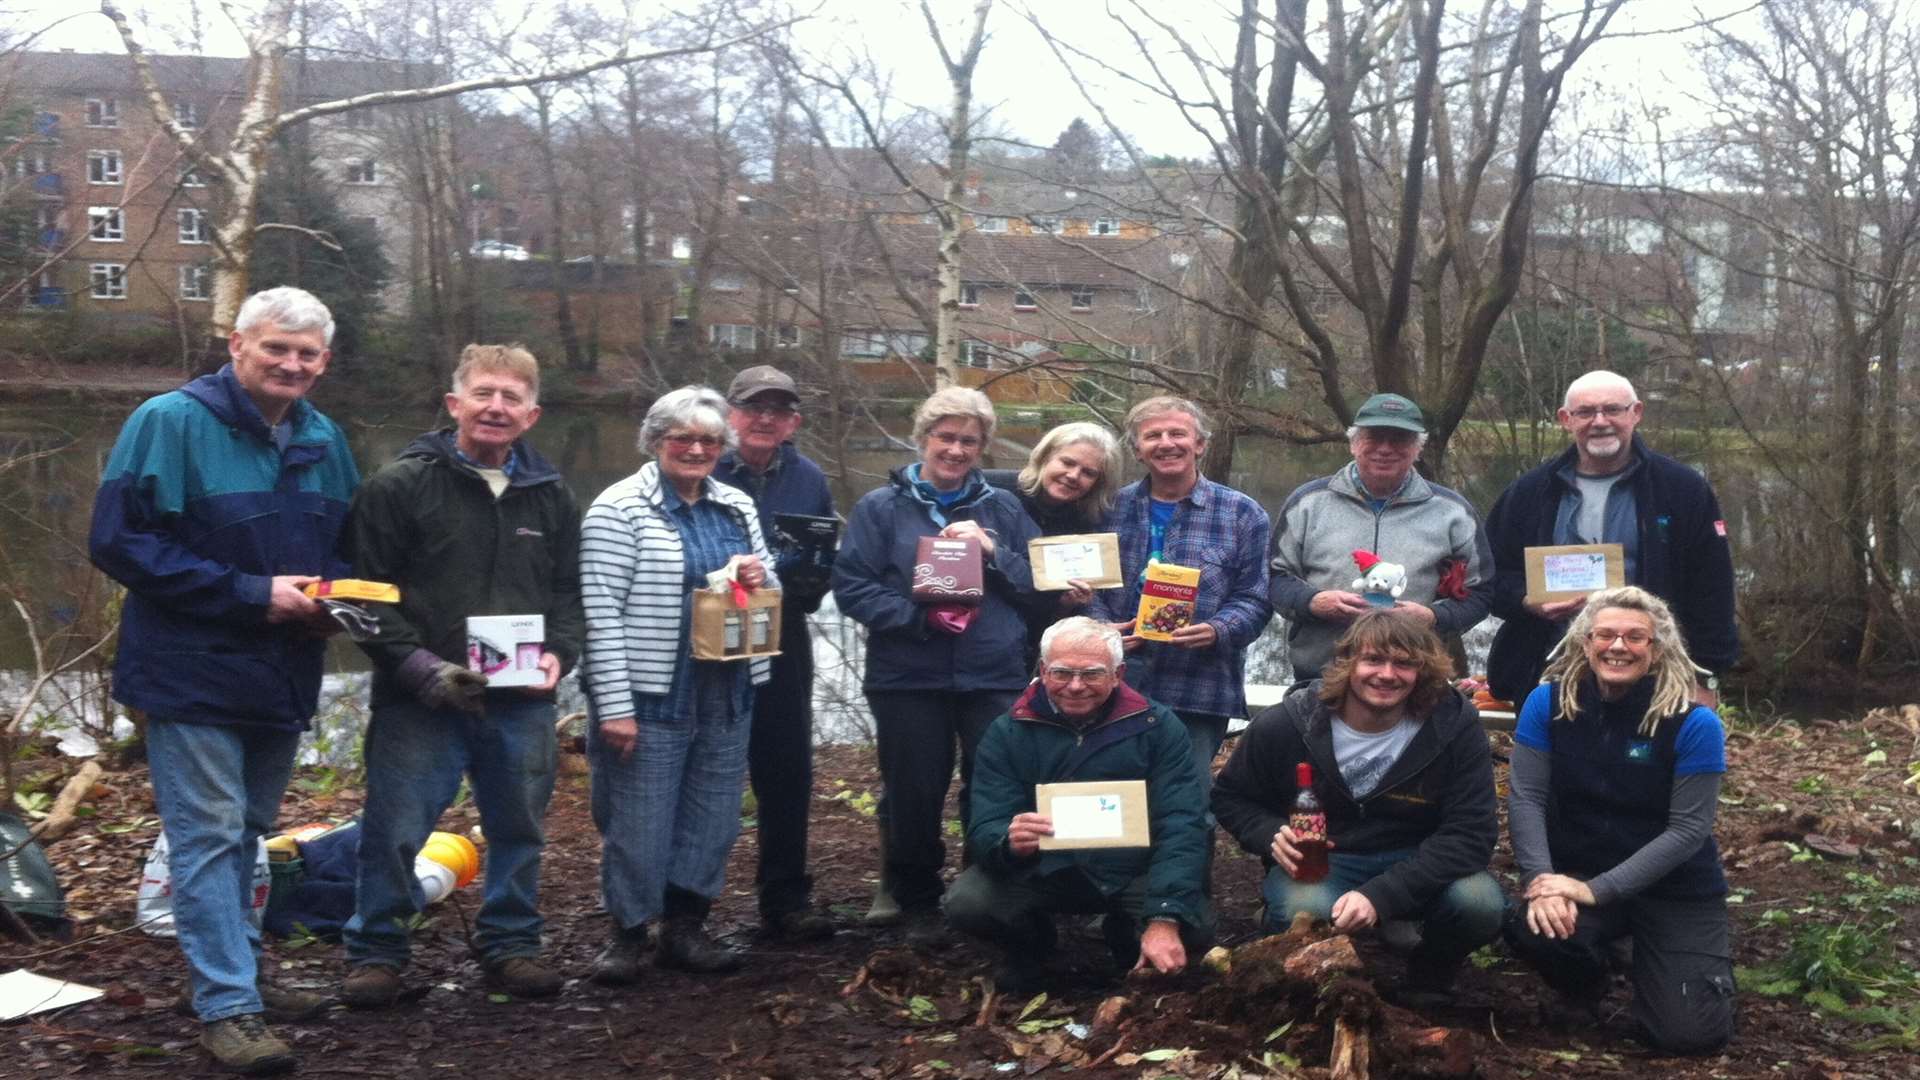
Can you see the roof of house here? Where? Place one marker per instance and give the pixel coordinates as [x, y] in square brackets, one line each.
[112, 73]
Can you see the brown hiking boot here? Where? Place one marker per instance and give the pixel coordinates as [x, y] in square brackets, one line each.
[244, 1044]
[371, 986]
[524, 977]
[279, 1003]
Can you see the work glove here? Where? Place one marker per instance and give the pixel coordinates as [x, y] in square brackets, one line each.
[450, 686]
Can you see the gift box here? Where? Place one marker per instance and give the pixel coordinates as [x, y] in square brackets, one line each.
[507, 648]
[948, 570]
[724, 630]
[1166, 600]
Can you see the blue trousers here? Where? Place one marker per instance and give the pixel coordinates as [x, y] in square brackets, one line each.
[1464, 916]
[218, 788]
[669, 812]
[415, 759]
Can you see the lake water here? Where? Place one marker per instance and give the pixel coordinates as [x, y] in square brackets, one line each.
[45, 501]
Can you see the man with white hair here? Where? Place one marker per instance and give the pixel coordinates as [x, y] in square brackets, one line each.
[1081, 721]
[1610, 488]
[221, 500]
[1376, 503]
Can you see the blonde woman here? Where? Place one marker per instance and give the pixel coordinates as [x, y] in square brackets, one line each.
[1067, 487]
[1616, 774]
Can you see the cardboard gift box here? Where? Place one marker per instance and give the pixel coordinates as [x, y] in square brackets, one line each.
[1090, 557]
[506, 648]
[1094, 814]
[1564, 571]
[722, 630]
[949, 570]
[1166, 600]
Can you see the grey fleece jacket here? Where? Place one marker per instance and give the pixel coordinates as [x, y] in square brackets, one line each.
[1424, 526]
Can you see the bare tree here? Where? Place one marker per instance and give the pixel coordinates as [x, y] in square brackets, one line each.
[241, 162]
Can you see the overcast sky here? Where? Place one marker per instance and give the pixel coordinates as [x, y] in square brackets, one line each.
[1028, 92]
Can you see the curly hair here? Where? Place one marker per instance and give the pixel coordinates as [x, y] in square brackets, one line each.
[1671, 669]
[1392, 633]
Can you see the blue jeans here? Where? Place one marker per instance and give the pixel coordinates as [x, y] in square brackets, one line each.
[415, 758]
[1463, 917]
[669, 812]
[218, 788]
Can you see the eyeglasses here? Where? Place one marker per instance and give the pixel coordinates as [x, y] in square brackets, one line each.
[947, 438]
[1588, 412]
[1604, 638]
[767, 410]
[1066, 675]
[680, 441]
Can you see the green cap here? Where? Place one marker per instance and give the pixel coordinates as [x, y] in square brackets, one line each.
[1390, 410]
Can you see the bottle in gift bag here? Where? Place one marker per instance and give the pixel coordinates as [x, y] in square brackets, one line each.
[1309, 824]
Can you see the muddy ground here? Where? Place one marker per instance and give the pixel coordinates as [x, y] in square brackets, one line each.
[825, 1010]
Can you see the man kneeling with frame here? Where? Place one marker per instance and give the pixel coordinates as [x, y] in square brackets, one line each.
[1080, 721]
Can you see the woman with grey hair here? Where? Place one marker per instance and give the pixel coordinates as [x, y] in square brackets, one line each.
[668, 733]
[1615, 778]
[936, 673]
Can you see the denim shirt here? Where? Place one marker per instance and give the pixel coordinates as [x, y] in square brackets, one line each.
[709, 536]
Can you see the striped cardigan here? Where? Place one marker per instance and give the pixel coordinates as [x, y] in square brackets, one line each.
[632, 584]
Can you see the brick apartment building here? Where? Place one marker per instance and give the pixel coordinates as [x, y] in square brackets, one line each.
[121, 222]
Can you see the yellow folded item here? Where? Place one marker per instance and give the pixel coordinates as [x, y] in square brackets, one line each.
[355, 589]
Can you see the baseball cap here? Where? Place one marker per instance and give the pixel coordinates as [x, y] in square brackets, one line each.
[1390, 410]
[760, 379]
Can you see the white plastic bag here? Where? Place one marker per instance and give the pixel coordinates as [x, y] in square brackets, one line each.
[153, 908]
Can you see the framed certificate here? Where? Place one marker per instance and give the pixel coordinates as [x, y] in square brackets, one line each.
[1090, 557]
[1095, 814]
[1565, 571]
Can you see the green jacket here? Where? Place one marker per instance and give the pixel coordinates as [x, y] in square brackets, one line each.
[1138, 740]
[428, 523]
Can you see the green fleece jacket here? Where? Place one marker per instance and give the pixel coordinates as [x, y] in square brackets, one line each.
[1137, 740]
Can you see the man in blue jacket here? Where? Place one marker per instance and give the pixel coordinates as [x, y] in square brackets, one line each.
[781, 480]
[1610, 488]
[221, 500]
[1081, 721]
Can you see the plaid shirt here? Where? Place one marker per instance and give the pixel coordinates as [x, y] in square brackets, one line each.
[1224, 533]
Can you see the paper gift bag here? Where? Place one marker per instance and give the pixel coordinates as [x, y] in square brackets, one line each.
[724, 631]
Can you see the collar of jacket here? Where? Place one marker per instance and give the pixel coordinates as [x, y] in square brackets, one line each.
[733, 462]
[438, 446]
[1569, 460]
[1414, 489]
[976, 490]
[1314, 718]
[1035, 706]
[226, 399]
[1630, 709]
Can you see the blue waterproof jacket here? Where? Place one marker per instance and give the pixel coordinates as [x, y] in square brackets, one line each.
[873, 579]
[197, 511]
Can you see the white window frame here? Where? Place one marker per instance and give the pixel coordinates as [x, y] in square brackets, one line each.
[1143, 298]
[728, 336]
[969, 294]
[985, 224]
[109, 169]
[186, 114]
[730, 281]
[106, 224]
[103, 112]
[363, 172]
[1046, 223]
[31, 162]
[193, 225]
[190, 176]
[1024, 300]
[107, 281]
[1104, 226]
[196, 282]
[976, 353]
[1080, 297]
[788, 336]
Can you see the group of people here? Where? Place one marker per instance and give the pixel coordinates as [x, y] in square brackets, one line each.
[225, 500]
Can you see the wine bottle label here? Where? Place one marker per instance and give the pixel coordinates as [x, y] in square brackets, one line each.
[1308, 826]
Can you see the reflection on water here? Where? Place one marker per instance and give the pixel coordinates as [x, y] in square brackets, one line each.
[45, 501]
